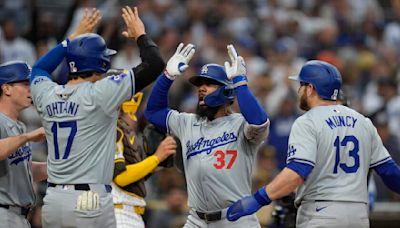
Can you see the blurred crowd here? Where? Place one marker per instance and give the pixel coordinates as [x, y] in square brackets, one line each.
[360, 37]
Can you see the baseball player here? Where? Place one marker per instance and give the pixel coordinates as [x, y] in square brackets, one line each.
[132, 166]
[331, 149]
[17, 171]
[80, 120]
[218, 146]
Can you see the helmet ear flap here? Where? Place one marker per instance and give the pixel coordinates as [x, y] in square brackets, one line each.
[219, 97]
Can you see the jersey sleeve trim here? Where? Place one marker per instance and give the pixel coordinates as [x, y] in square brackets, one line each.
[301, 160]
[166, 121]
[300, 168]
[380, 162]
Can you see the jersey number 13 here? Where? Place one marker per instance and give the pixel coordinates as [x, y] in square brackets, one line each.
[347, 140]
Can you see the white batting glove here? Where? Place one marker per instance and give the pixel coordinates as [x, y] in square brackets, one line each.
[178, 63]
[237, 66]
[88, 201]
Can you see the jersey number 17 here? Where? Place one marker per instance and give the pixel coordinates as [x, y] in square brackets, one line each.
[54, 130]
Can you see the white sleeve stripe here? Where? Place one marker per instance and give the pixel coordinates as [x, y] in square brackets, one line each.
[305, 161]
[166, 120]
[380, 162]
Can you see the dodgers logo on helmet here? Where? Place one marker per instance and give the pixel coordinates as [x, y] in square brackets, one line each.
[323, 76]
[88, 52]
[14, 71]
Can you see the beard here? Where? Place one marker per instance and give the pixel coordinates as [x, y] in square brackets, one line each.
[205, 111]
[303, 103]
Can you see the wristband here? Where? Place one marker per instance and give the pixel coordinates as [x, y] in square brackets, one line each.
[262, 197]
[170, 77]
[239, 81]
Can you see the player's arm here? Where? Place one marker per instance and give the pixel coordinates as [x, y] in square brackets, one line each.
[285, 183]
[389, 171]
[49, 62]
[11, 144]
[157, 106]
[39, 171]
[152, 64]
[300, 162]
[138, 171]
[382, 162]
[255, 115]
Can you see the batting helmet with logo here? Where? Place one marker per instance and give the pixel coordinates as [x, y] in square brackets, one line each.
[14, 71]
[214, 74]
[87, 53]
[323, 76]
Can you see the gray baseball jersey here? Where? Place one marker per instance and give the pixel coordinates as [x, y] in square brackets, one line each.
[342, 145]
[80, 123]
[218, 157]
[16, 171]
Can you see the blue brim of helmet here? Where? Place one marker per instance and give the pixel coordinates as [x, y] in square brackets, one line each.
[196, 80]
[294, 78]
[109, 52]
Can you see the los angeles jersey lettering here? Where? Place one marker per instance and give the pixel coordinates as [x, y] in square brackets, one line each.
[217, 157]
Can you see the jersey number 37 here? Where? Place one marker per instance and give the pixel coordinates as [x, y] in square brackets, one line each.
[349, 140]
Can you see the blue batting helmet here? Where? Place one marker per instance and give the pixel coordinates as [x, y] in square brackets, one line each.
[215, 74]
[323, 76]
[14, 71]
[88, 52]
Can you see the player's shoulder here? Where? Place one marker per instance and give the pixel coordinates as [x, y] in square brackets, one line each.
[236, 118]
[115, 77]
[305, 121]
[185, 115]
[117, 73]
[360, 117]
[40, 80]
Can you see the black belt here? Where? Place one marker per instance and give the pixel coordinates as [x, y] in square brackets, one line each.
[209, 217]
[81, 187]
[24, 210]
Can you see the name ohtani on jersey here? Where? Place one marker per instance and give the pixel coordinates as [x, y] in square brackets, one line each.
[206, 145]
[62, 108]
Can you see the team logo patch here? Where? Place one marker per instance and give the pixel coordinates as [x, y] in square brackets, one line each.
[291, 151]
[38, 80]
[23, 153]
[335, 94]
[204, 70]
[117, 78]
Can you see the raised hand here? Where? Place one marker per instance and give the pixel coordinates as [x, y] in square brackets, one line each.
[134, 25]
[88, 23]
[237, 66]
[178, 63]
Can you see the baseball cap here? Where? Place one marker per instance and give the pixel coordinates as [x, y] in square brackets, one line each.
[14, 71]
